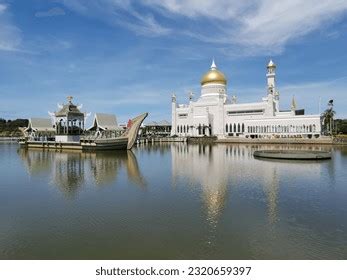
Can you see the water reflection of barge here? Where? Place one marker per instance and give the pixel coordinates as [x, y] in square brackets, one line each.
[68, 132]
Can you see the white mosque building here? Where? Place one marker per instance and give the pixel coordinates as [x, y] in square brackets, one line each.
[214, 114]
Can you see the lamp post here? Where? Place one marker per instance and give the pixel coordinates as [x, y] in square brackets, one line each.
[331, 117]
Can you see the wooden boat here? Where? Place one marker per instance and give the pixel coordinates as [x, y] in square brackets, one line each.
[124, 142]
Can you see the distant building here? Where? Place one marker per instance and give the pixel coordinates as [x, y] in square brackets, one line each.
[157, 129]
[215, 114]
[104, 124]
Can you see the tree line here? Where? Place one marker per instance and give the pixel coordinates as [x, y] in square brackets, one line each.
[331, 126]
[10, 128]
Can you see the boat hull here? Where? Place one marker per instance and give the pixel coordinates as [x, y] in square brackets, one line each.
[120, 143]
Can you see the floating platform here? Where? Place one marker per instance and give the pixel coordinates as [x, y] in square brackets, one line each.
[292, 154]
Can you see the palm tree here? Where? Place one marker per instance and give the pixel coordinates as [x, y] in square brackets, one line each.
[328, 118]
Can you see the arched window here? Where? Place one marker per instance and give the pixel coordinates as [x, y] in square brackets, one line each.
[314, 128]
[234, 127]
[199, 129]
[243, 128]
[184, 129]
[226, 128]
[230, 128]
[238, 127]
[187, 128]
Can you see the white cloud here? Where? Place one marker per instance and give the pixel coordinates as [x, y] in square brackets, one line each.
[120, 13]
[3, 8]
[266, 24]
[56, 11]
[222, 9]
[277, 22]
[258, 26]
[10, 35]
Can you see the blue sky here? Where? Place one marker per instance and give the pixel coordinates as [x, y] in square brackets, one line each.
[127, 57]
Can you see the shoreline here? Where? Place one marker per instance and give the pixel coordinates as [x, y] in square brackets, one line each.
[8, 139]
[328, 141]
[325, 141]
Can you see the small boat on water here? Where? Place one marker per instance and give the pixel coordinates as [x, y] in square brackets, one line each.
[292, 154]
[68, 132]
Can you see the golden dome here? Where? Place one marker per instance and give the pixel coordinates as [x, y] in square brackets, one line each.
[271, 64]
[213, 76]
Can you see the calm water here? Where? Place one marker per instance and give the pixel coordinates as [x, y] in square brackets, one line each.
[171, 201]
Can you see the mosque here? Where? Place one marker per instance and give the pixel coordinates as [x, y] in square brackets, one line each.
[214, 114]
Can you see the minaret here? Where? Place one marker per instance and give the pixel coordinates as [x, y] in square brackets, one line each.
[272, 101]
[173, 115]
[271, 69]
[293, 105]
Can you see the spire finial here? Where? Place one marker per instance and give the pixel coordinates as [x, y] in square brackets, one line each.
[293, 105]
[69, 99]
[271, 63]
[213, 65]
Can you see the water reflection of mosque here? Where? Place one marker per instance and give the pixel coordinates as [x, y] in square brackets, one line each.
[69, 171]
[220, 169]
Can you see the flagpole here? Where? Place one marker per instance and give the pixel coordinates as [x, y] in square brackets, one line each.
[319, 105]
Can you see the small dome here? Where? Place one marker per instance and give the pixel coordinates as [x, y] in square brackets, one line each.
[271, 64]
[213, 76]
